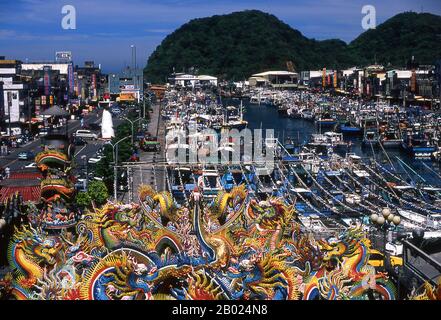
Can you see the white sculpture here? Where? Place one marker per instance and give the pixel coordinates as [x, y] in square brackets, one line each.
[107, 131]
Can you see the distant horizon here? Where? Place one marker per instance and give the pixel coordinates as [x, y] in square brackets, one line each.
[31, 29]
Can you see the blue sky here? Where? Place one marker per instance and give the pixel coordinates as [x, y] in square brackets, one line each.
[105, 29]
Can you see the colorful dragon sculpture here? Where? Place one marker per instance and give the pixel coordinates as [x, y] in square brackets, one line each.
[231, 248]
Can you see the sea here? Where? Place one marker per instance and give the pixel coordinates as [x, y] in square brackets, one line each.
[267, 117]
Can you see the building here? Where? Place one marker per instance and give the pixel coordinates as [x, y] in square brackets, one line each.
[2, 101]
[14, 96]
[314, 78]
[48, 83]
[273, 78]
[61, 67]
[410, 84]
[90, 83]
[128, 85]
[190, 80]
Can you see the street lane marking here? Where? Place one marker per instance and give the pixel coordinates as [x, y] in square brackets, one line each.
[80, 150]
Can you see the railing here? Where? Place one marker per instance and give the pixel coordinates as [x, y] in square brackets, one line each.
[420, 264]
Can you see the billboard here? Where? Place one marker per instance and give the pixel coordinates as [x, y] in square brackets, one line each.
[94, 85]
[128, 87]
[47, 80]
[128, 96]
[63, 56]
[37, 106]
[70, 75]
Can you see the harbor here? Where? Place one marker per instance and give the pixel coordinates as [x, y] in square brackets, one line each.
[243, 161]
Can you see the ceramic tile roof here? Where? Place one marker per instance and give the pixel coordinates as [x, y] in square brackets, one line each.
[28, 193]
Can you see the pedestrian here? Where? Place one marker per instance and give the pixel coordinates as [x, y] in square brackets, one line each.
[7, 172]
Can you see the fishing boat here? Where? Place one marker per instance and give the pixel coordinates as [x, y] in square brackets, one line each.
[210, 183]
[234, 118]
[418, 144]
[350, 128]
[391, 138]
[233, 177]
[182, 182]
[307, 114]
[263, 181]
[370, 138]
[326, 120]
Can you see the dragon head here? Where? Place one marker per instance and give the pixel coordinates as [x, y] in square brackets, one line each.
[270, 214]
[43, 249]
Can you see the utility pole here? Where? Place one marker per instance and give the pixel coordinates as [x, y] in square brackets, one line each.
[9, 111]
[29, 112]
[115, 169]
[132, 124]
[130, 183]
[84, 157]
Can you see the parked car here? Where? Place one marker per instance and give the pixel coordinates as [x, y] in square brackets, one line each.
[43, 132]
[26, 155]
[80, 185]
[150, 144]
[86, 134]
[31, 165]
[115, 111]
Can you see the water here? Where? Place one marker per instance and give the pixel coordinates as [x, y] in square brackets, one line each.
[267, 117]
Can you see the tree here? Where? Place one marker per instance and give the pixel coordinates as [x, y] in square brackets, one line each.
[83, 199]
[98, 192]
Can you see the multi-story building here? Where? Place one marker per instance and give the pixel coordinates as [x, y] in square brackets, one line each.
[48, 83]
[14, 95]
[90, 83]
[128, 83]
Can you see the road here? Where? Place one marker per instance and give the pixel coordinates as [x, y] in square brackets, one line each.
[147, 174]
[89, 149]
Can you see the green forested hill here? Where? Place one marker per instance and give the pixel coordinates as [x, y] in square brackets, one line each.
[399, 38]
[236, 45]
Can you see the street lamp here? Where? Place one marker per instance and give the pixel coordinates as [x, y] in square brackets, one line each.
[115, 169]
[84, 157]
[132, 123]
[386, 221]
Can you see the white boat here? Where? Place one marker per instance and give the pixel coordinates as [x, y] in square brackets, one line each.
[210, 183]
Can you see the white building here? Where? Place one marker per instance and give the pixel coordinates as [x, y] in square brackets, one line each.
[62, 67]
[13, 100]
[313, 76]
[193, 80]
[273, 77]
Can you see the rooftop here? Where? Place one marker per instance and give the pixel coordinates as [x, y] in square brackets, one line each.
[274, 73]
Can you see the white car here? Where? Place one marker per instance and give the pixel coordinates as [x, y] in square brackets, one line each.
[86, 134]
[95, 159]
[31, 165]
[43, 132]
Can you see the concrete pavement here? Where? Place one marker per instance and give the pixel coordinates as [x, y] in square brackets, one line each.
[149, 174]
